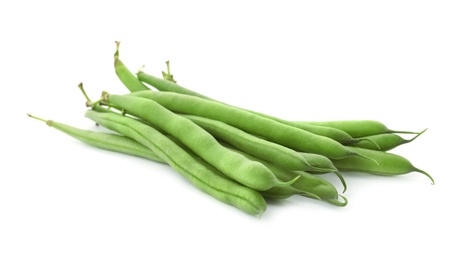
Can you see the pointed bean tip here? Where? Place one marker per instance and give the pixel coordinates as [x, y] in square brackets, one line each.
[417, 135]
[427, 174]
[336, 202]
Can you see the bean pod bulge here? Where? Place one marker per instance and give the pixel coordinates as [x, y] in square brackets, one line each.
[247, 172]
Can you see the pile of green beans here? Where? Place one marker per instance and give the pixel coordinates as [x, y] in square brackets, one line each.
[240, 157]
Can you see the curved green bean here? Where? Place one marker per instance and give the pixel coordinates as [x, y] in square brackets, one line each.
[389, 164]
[131, 82]
[358, 128]
[223, 189]
[387, 141]
[168, 85]
[252, 174]
[107, 141]
[279, 155]
[291, 137]
[308, 183]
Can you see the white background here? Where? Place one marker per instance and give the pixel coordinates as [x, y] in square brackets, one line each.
[398, 62]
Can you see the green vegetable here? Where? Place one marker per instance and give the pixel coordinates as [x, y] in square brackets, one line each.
[247, 172]
[389, 164]
[221, 188]
[131, 82]
[359, 128]
[291, 137]
[387, 141]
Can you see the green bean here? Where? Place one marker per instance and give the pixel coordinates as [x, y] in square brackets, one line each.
[321, 164]
[312, 184]
[126, 145]
[386, 141]
[291, 137]
[252, 174]
[107, 141]
[278, 193]
[276, 154]
[279, 155]
[223, 189]
[308, 183]
[168, 85]
[330, 132]
[359, 128]
[128, 79]
[272, 193]
[389, 164]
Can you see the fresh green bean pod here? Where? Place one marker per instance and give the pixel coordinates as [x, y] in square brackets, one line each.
[276, 192]
[389, 164]
[358, 128]
[321, 164]
[223, 189]
[249, 173]
[291, 137]
[131, 82]
[312, 185]
[386, 141]
[166, 85]
[126, 145]
[170, 86]
[330, 132]
[106, 141]
[272, 193]
[279, 155]
[279, 193]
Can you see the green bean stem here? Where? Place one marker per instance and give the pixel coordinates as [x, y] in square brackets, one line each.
[167, 75]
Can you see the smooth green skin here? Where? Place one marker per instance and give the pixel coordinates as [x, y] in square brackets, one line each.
[131, 82]
[358, 128]
[385, 142]
[389, 164]
[276, 154]
[279, 155]
[291, 137]
[313, 186]
[279, 193]
[169, 86]
[134, 148]
[107, 141]
[333, 133]
[221, 188]
[272, 193]
[249, 173]
[321, 164]
[166, 85]
[126, 145]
